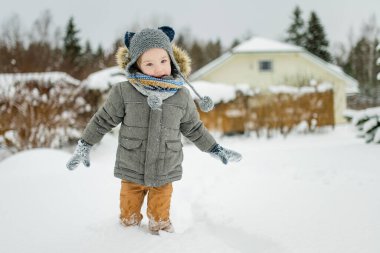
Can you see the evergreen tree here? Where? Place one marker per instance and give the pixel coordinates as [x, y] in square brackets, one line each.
[181, 42]
[235, 43]
[197, 55]
[71, 45]
[361, 64]
[357, 64]
[213, 50]
[88, 54]
[99, 57]
[99, 52]
[296, 31]
[87, 48]
[315, 38]
[87, 59]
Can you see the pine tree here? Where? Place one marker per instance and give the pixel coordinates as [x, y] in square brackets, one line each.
[358, 65]
[87, 47]
[296, 31]
[213, 50]
[235, 43]
[71, 46]
[361, 64]
[99, 57]
[181, 42]
[315, 38]
[197, 55]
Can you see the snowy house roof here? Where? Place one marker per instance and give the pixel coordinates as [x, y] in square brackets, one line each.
[259, 44]
[253, 45]
[9, 79]
[264, 45]
[104, 79]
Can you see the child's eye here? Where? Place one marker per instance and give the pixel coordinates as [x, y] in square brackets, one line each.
[149, 64]
[164, 61]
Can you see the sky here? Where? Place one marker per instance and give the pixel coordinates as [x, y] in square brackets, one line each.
[102, 22]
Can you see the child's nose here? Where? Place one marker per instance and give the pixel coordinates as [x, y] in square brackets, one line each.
[159, 71]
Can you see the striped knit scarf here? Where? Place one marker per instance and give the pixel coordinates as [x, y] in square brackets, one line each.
[156, 89]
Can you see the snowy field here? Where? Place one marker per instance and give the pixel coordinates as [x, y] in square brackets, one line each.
[306, 193]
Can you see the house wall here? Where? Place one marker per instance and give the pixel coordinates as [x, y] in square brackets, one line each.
[287, 68]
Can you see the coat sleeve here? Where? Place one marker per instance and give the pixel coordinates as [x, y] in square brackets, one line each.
[106, 118]
[193, 128]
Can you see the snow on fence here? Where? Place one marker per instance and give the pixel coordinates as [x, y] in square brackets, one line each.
[43, 78]
[279, 110]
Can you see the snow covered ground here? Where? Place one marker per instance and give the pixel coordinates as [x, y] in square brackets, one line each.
[306, 194]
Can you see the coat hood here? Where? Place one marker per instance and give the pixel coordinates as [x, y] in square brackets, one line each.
[184, 64]
[181, 56]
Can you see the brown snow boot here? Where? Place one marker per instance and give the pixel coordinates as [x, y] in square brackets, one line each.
[155, 227]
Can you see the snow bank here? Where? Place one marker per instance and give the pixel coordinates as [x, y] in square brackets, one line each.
[104, 79]
[363, 114]
[313, 193]
[367, 123]
[7, 80]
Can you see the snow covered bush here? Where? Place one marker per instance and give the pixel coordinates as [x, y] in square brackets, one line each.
[37, 114]
[367, 122]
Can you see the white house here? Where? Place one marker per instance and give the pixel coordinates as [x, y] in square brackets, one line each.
[263, 63]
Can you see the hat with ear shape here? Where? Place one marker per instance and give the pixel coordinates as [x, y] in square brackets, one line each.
[138, 43]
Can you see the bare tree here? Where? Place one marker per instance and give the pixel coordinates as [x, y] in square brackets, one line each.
[11, 34]
[40, 31]
[371, 31]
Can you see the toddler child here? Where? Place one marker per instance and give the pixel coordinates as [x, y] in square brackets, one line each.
[154, 109]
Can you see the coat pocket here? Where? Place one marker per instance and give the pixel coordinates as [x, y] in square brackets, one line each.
[173, 156]
[131, 154]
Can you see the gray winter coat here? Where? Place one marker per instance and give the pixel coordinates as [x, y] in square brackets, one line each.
[150, 149]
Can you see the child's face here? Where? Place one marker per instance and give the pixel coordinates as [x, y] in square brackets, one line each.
[155, 62]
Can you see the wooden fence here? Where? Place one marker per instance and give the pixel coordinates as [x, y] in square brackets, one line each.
[271, 112]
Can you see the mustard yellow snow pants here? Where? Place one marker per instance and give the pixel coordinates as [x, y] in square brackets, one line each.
[131, 200]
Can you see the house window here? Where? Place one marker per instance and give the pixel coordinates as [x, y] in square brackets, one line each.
[265, 65]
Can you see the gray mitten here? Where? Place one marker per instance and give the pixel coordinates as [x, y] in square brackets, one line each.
[81, 154]
[225, 155]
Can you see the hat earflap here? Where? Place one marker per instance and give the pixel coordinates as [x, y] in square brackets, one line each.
[168, 31]
[127, 38]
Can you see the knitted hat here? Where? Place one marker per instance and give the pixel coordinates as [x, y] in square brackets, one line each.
[138, 43]
[148, 38]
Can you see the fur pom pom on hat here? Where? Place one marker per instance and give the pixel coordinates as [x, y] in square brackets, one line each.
[137, 43]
